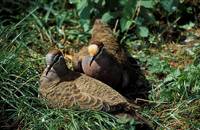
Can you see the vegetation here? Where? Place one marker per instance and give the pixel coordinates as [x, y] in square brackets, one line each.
[155, 32]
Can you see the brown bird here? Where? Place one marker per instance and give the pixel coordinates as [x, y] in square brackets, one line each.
[108, 62]
[64, 88]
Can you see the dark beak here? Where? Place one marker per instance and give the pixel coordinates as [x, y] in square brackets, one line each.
[50, 66]
[93, 58]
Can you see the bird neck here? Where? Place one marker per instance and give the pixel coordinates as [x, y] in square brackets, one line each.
[60, 72]
[60, 69]
[55, 74]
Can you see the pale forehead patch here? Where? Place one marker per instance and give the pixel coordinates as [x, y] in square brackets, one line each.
[93, 49]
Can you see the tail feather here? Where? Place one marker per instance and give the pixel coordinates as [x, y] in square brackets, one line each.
[141, 123]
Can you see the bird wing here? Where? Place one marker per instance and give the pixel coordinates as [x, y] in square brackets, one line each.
[98, 89]
[66, 95]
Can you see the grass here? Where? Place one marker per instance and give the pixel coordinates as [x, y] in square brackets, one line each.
[24, 41]
[175, 96]
[20, 71]
[23, 47]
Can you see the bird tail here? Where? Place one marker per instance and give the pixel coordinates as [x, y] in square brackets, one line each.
[132, 110]
[140, 122]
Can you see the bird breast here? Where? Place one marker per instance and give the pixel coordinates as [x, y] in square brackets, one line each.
[103, 68]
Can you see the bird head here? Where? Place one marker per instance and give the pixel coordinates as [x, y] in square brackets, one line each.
[52, 58]
[94, 50]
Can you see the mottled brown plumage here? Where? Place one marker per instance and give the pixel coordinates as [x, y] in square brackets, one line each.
[101, 33]
[65, 88]
[111, 64]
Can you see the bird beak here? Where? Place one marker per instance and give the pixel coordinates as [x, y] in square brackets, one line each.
[50, 66]
[96, 55]
[92, 59]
